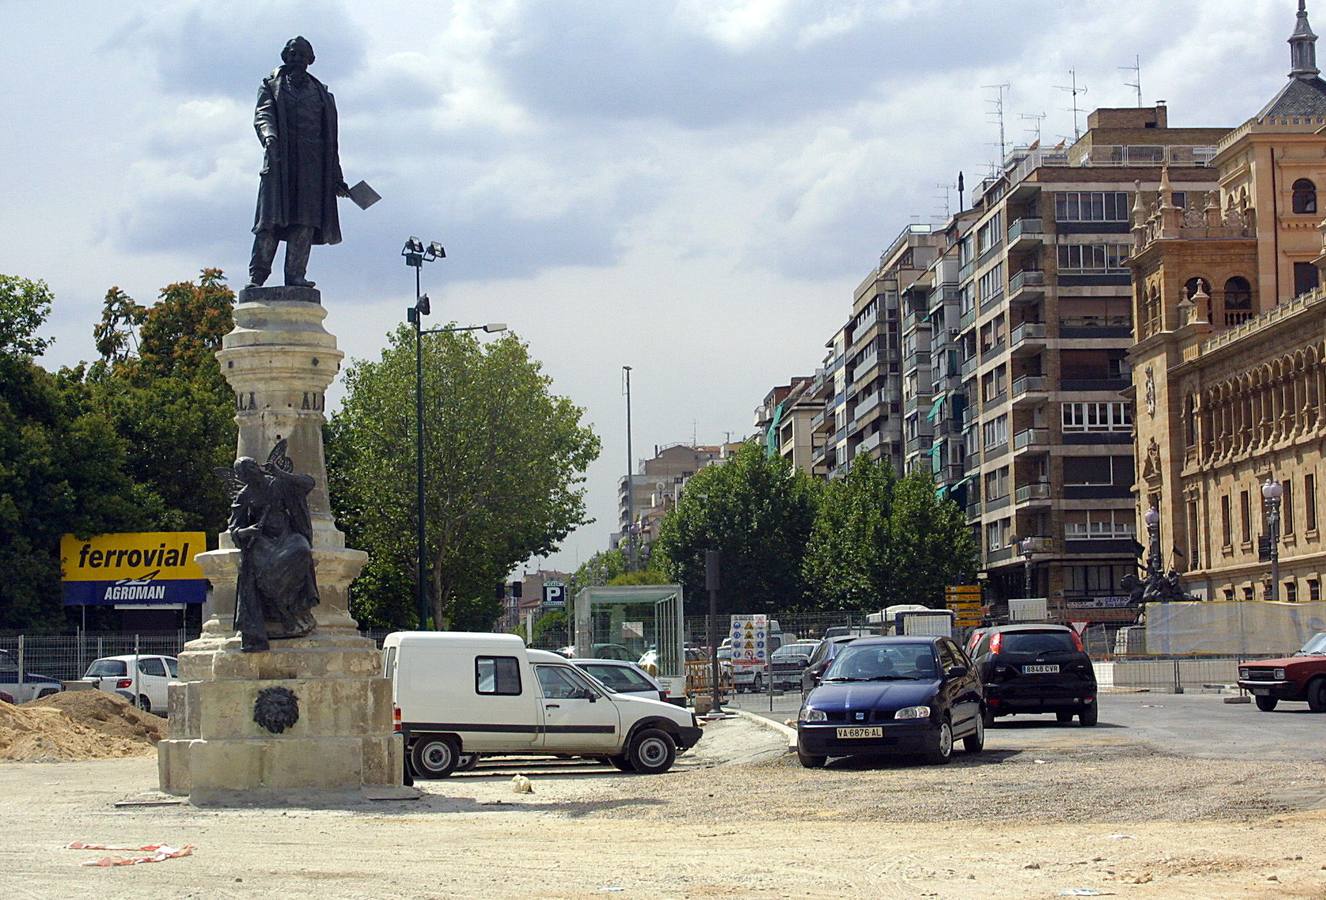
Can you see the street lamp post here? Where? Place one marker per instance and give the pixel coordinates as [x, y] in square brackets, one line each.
[416, 254]
[1028, 546]
[1151, 518]
[1271, 492]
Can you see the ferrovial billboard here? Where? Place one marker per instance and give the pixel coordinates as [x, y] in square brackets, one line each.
[142, 568]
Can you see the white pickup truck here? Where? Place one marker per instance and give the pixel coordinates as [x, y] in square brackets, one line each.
[458, 694]
[30, 687]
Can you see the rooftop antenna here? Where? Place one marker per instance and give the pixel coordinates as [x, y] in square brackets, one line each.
[1074, 89]
[1136, 83]
[948, 192]
[997, 101]
[1036, 128]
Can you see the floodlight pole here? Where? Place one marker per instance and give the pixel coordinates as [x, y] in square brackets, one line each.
[712, 559]
[630, 481]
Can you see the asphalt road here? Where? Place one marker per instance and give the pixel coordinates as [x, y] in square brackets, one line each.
[1196, 725]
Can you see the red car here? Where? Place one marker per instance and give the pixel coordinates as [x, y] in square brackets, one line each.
[1298, 677]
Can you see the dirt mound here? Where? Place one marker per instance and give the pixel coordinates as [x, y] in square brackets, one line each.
[77, 725]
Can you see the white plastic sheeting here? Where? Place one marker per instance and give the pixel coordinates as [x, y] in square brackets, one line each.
[1231, 627]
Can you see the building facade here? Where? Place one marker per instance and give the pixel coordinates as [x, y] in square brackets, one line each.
[1227, 368]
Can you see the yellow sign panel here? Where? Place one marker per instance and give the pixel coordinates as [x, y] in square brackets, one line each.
[163, 555]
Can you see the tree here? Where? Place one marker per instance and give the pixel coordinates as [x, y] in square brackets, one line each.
[758, 512]
[24, 306]
[63, 467]
[879, 540]
[598, 570]
[504, 464]
[160, 383]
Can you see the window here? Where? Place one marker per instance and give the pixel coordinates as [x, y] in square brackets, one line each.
[174, 667]
[1247, 594]
[995, 432]
[1287, 507]
[497, 675]
[1238, 301]
[1291, 591]
[1093, 259]
[1225, 528]
[1306, 278]
[107, 668]
[989, 234]
[1310, 502]
[1305, 197]
[1098, 524]
[1097, 417]
[389, 662]
[994, 534]
[1314, 589]
[1091, 206]
[1245, 518]
[1085, 470]
[152, 666]
[991, 284]
[7, 663]
[561, 683]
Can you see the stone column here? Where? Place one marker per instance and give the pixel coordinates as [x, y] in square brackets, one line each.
[279, 360]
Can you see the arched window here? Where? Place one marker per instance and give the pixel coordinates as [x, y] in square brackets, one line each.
[1238, 301]
[1305, 196]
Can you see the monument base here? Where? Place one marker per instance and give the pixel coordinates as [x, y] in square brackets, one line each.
[226, 740]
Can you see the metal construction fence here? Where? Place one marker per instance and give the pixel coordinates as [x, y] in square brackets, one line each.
[67, 656]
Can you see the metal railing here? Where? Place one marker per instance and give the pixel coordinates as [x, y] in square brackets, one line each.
[1031, 437]
[1029, 492]
[1027, 331]
[1024, 384]
[1026, 278]
[1024, 227]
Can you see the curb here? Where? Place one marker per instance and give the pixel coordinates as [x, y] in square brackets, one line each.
[786, 731]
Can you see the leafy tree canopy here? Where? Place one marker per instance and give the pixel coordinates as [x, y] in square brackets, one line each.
[504, 463]
[24, 306]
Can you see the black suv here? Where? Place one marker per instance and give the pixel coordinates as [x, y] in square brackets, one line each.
[1036, 669]
[821, 658]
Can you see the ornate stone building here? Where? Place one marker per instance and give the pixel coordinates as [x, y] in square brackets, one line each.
[1227, 365]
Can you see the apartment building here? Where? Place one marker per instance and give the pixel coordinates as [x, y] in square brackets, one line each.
[1229, 365]
[657, 485]
[783, 421]
[1044, 327]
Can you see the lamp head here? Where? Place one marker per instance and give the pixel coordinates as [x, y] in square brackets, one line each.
[495, 327]
[1272, 490]
[413, 251]
[1151, 517]
[436, 250]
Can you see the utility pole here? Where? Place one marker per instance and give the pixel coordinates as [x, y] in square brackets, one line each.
[1073, 89]
[712, 558]
[630, 481]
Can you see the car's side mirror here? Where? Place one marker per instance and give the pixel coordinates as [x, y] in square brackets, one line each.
[956, 672]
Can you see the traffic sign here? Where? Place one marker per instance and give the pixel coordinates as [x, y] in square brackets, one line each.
[1079, 627]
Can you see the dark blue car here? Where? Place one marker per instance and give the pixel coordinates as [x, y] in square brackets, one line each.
[913, 695]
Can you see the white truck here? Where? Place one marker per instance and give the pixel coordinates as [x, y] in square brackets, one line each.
[458, 695]
[913, 618]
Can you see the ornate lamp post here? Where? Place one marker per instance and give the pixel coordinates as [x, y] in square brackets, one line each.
[1272, 491]
[1153, 562]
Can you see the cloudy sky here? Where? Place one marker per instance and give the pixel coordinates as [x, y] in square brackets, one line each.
[692, 188]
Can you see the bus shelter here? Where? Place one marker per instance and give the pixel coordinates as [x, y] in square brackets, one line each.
[637, 618]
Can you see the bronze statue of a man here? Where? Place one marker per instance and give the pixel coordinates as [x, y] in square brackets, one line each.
[271, 526]
[301, 174]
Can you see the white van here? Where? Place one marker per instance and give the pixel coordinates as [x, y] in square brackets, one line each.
[460, 694]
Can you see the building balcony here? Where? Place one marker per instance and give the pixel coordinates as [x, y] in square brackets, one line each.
[966, 271]
[1032, 439]
[1029, 337]
[1026, 286]
[1028, 387]
[865, 403]
[995, 349]
[967, 319]
[968, 367]
[1029, 494]
[919, 443]
[973, 510]
[869, 442]
[1024, 234]
[915, 361]
[1000, 555]
[1113, 385]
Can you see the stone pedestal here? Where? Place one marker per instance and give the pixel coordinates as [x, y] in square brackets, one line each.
[279, 360]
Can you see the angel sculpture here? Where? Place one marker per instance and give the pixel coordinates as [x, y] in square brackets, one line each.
[271, 526]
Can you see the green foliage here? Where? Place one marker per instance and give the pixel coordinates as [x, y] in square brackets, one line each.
[504, 464]
[169, 401]
[644, 576]
[63, 468]
[598, 570]
[758, 512]
[24, 306]
[880, 540]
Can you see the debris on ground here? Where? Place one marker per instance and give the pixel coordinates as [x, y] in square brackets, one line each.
[521, 785]
[77, 725]
[148, 853]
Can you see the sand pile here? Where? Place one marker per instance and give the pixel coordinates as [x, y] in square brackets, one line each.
[77, 725]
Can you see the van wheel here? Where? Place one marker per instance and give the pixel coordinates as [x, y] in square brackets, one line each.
[467, 762]
[435, 756]
[652, 752]
[621, 762]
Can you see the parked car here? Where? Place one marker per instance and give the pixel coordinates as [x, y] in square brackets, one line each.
[906, 694]
[1298, 677]
[33, 687]
[821, 658]
[974, 640]
[599, 651]
[788, 662]
[456, 693]
[6, 698]
[621, 677]
[1036, 669]
[146, 689]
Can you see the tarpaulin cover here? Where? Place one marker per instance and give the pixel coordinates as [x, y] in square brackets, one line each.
[1231, 627]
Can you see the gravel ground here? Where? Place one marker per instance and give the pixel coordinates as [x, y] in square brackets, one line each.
[738, 817]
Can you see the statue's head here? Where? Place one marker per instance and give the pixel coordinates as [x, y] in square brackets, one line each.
[298, 52]
[247, 470]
